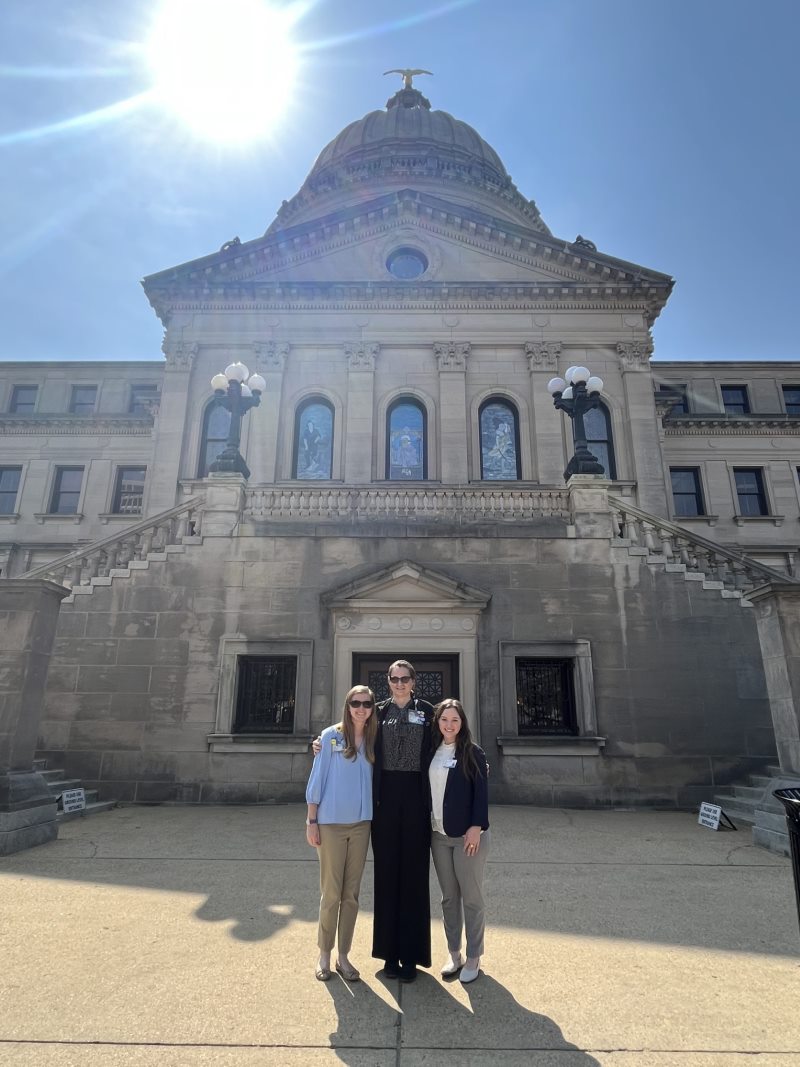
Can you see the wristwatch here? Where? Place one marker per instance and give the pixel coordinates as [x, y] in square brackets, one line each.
[312, 822]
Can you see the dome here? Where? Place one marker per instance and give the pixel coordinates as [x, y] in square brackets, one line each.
[408, 145]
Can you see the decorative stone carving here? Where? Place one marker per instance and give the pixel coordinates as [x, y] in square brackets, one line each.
[180, 355]
[271, 355]
[452, 355]
[361, 356]
[636, 354]
[542, 355]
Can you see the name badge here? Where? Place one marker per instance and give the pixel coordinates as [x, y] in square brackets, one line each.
[337, 746]
[416, 717]
[450, 763]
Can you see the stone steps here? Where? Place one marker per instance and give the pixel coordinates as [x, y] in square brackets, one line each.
[134, 565]
[57, 783]
[752, 803]
[661, 562]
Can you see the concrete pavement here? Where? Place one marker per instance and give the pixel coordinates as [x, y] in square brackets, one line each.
[186, 936]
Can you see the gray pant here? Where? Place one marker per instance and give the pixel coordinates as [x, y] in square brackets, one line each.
[461, 880]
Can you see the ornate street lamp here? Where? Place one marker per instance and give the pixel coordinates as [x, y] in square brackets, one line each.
[237, 393]
[577, 395]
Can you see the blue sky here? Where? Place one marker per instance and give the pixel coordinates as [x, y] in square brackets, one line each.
[667, 133]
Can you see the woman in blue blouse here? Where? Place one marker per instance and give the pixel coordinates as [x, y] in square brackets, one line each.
[458, 777]
[339, 798]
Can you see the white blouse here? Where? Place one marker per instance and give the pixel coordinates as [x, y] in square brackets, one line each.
[438, 773]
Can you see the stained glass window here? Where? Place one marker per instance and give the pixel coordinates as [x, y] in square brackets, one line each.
[499, 429]
[597, 424]
[313, 441]
[407, 458]
[216, 424]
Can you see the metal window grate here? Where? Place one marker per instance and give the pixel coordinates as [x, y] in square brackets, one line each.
[265, 694]
[545, 697]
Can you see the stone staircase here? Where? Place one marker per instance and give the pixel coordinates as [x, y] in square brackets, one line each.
[752, 803]
[57, 783]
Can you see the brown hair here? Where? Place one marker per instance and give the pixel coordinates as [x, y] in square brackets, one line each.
[465, 746]
[347, 726]
[405, 665]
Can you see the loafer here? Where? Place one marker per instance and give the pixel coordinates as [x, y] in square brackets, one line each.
[408, 972]
[323, 974]
[350, 974]
[391, 969]
[469, 974]
[450, 968]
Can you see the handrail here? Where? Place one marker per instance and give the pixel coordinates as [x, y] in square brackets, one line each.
[734, 569]
[96, 559]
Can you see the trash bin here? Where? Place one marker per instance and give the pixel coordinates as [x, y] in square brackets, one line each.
[790, 798]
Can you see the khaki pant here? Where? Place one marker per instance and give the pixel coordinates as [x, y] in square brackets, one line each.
[461, 880]
[342, 854]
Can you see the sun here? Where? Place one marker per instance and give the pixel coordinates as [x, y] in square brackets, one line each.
[226, 68]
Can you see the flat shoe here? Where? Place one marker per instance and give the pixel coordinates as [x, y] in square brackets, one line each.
[350, 974]
[391, 969]
[323, 974]
[469, 974]
[450, 968]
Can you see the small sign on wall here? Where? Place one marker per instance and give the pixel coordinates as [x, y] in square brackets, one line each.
[73, 800]
[712, 815]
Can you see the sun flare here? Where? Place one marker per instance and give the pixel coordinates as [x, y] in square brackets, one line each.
[226, 68]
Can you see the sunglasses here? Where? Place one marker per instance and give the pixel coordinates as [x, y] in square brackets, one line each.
[401, 679]
[360, 703]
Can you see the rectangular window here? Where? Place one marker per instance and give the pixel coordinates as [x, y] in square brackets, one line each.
[9, 486]
[750, 491]
[735, 400]
[545, 697]
[686, 495]
[66, 491]
[678, 393]
[129, 491]
[791, 399]
[142, 397]
[23, 399]
[83, 400]
[265, 694]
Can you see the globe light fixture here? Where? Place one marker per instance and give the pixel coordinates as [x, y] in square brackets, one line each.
[576, 393]
[237, 391]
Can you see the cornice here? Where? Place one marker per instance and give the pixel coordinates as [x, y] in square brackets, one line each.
[719, 425]
[78, 425]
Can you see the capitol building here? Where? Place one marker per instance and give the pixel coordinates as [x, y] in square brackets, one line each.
[399, 491]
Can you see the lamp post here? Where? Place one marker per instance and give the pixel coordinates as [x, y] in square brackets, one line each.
[577, 395]
[237, 391]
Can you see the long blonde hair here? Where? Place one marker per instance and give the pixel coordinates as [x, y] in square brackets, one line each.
[347, 727]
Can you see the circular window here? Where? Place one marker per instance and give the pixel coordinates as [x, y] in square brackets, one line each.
[407, 263]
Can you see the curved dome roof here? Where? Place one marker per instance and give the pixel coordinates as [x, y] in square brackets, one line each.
[408, 144]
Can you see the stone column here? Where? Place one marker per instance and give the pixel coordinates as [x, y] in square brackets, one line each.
[358, 447]
[262, 458]
[547, 422]
[646, 454]
[28, 618]
[590, 514]
[777, 609]
[451, 357]
[170, 426]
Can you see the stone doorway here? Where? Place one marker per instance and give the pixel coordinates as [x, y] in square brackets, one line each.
[437, 675]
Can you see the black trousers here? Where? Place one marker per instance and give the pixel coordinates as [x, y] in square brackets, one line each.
[401, 837]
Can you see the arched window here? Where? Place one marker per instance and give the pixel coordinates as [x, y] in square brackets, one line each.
[406, 441]
[499, 431]
[313, 441]
[216, 424]
[597, 423]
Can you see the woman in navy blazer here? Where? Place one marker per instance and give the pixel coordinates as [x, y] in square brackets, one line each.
[458, 777]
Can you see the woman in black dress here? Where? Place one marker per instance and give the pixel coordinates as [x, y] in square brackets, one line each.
[401, 830]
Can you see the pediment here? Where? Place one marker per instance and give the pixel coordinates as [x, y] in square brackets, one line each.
[463, 246]
[406, 586]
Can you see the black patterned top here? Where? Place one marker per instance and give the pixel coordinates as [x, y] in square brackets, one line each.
[402, 735]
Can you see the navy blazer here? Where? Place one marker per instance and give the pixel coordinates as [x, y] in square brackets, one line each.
[466, 802]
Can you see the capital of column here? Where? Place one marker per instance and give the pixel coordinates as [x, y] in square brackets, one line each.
[180, 355]
[636, 354]
[542, 355]
[271, 356]
[452, 355]
[362, 356]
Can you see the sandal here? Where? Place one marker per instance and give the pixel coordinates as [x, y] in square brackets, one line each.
[350, 974]
[323, 974]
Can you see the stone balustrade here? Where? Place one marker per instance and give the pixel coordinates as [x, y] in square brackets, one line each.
[405, 503]
[136, 542]
[735, 571]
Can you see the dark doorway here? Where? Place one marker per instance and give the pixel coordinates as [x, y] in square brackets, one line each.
[437, 674]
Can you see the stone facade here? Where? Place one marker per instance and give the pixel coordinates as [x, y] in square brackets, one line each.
[405, 272]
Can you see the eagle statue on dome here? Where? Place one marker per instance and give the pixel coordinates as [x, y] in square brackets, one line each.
[407, 73]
